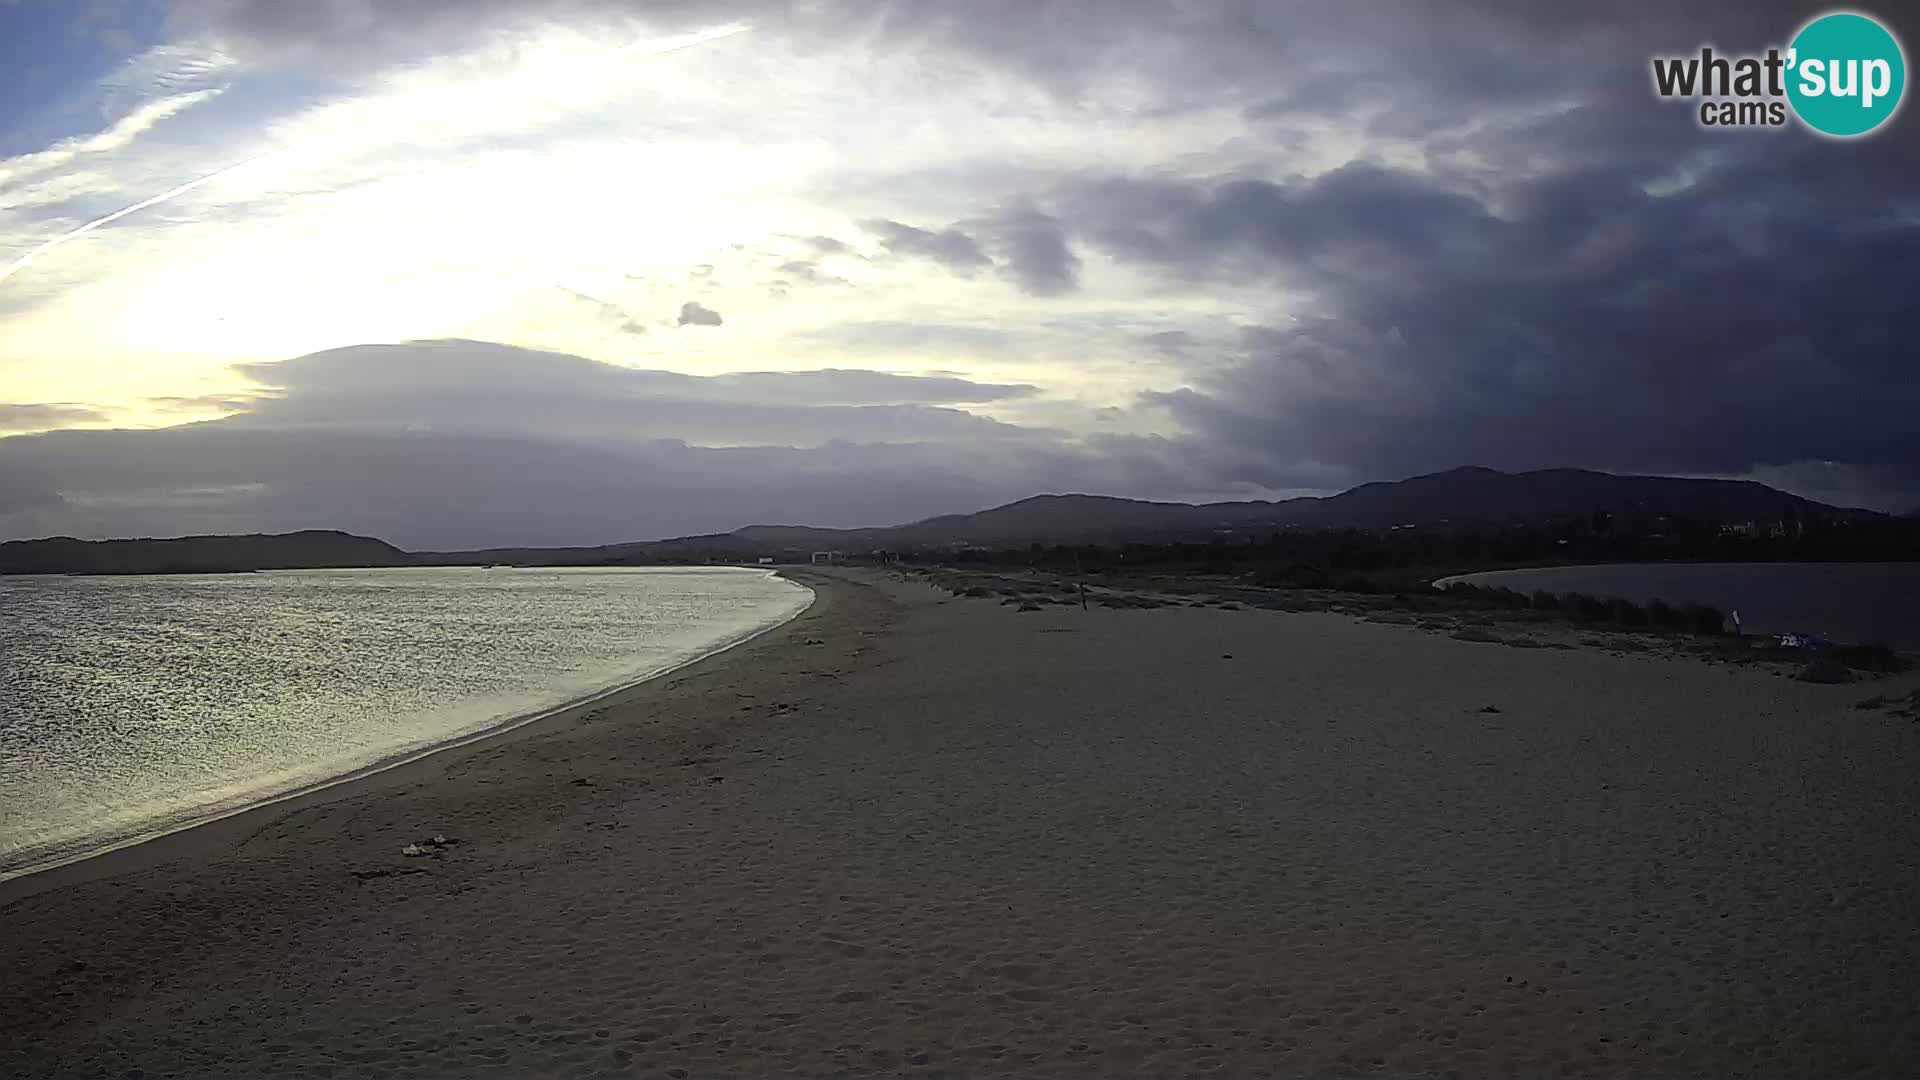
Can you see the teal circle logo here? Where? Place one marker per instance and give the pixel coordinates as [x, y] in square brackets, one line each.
[1846, 74]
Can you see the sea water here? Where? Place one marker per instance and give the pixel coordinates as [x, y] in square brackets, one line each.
[131, 706]
[1854, 602]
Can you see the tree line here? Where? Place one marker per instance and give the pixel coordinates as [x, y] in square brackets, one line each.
[1354, 558]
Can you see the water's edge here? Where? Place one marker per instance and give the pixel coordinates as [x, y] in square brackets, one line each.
[1847, 603]
[408, 757]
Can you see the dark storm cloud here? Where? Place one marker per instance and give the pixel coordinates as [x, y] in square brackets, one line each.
[950, 248]
[1651, 24]
[1756, 317]
[1356, 213]
[696, 314]
[33, 417]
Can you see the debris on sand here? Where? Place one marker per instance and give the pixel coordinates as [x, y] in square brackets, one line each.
[435, 845]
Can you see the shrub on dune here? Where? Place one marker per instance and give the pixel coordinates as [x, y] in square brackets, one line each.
[1626, 612]
[1877, 657]
[1582, 606]
[1704, 619]
[1661, 613]
[1825, 670]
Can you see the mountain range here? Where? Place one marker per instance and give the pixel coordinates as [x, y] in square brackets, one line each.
[1469, 497]
[1466, 497]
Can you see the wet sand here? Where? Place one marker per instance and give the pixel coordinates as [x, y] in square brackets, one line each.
[914, 835]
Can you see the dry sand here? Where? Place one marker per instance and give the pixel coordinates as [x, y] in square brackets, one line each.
[911, 835]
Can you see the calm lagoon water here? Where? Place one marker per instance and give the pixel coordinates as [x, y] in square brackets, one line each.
[130, 706]
[1858, 602]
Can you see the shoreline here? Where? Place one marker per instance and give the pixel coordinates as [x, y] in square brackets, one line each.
[17, 884]
[915, 834]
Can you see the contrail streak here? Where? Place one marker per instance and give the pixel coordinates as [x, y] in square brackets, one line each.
[21, 263]
[82, 230]
[700, 38]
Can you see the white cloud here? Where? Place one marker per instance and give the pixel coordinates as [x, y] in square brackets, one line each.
[120, 135]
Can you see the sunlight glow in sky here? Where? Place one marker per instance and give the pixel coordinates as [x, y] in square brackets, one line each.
[483, 194]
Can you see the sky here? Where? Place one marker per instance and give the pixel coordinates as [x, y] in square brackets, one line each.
[485, 272]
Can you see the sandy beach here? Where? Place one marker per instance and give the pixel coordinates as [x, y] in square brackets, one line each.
[915, 835]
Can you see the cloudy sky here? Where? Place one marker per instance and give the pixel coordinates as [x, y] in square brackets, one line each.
[466, 272]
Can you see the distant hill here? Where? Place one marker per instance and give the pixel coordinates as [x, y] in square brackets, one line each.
[1464, 498]
[1479, 495]
[313, 549]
